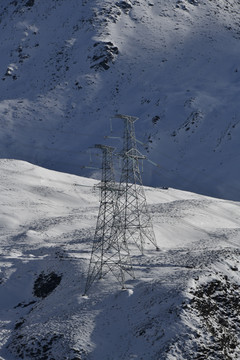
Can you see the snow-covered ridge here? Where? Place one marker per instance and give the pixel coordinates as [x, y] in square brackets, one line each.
[184, 303]
[67, 66]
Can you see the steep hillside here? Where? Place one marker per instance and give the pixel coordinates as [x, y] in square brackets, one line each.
[67, 67]
[184, 303]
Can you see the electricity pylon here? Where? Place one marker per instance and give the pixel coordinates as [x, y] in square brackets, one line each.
[108, 253]
[131, 205]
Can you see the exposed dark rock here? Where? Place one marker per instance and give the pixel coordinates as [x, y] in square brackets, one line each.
[78, 86]
[42, 347]
[30, 3]
[35, 348]
[105, 54]
[181, 5]
[124, 6]
[23, 305]
[218, 306]
[9, 72]
[23, 56]
[155, 119]
[192, 123]
[45, 284]
[19, 324]
[193, 2]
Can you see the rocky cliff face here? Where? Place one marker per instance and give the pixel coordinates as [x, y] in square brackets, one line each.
[67, 67]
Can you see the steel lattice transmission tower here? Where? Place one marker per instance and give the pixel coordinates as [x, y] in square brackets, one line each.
[132, 212]
[109, 254]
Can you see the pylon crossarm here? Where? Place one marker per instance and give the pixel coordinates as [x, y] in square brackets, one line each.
[134, 154]
[126, 117]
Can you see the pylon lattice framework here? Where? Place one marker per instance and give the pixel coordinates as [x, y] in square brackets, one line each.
[131, 210]
[108, 254]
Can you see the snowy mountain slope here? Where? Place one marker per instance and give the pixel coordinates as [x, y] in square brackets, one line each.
[68, 66]
[184, 303]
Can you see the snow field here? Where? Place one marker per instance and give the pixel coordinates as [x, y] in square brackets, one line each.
[50, 224]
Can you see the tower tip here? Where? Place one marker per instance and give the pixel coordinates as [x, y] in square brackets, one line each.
[126, 117]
